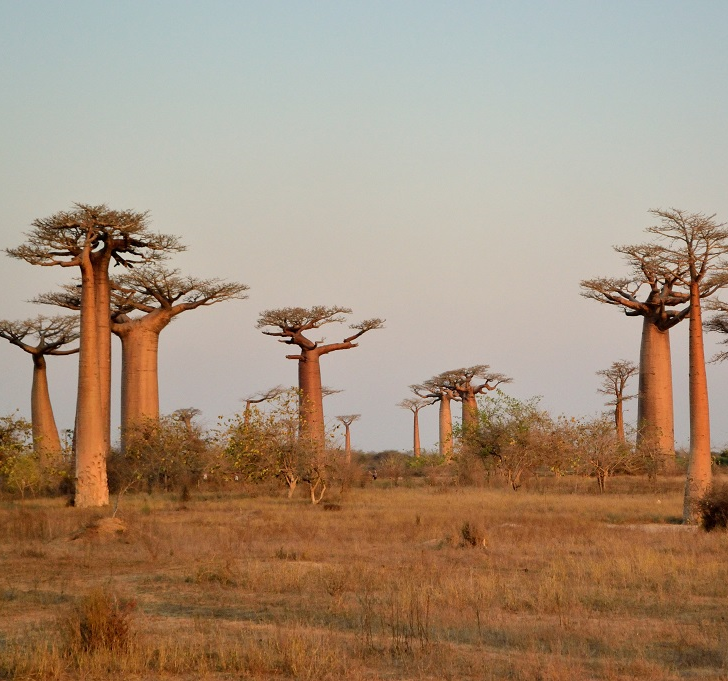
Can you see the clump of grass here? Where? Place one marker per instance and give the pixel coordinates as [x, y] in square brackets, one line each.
[713, 508]
[100, 621]
[471, 535]
[217, 572]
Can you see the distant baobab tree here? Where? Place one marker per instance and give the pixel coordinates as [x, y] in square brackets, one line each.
[436, 390]
[415, 404]
[693, 248]
[462, 381]
[614, 383]
[263, 396]
[90, 238]
[185, 415]
[655, 419]
[347, 420]
[40, 337]
[291, 324]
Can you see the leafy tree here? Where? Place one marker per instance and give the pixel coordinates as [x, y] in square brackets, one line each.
[268, 445]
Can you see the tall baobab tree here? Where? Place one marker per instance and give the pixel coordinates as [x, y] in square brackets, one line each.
[657, 308]
[257, 398]
[462, 382]
[90, 238]
[695, 246]
[291, 324]
[614, 383]
[347, 420]
[436, 390]
[40, 337]
[415, 404]
[145, 301]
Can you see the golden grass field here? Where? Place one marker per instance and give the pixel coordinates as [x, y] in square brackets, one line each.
[567, 585]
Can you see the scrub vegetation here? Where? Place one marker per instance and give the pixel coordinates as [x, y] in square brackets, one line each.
[419, 581]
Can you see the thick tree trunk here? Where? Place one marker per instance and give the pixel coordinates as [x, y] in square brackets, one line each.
[347, 446]
[139, 376]
[654, 404]
[416, 450]
[470, 413]
[91, 484]
[102, 291]
[619, 421]
[311, 407]
[699, 467]
[446, 449]
[46, 442]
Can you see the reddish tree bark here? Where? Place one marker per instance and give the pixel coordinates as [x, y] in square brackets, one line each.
[614, 383]
[415, 405]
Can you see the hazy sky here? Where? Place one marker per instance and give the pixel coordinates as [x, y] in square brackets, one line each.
[454, 167]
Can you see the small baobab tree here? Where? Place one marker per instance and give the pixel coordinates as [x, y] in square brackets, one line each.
[40, 337]
[90, 238]
[614, 383]
[436, 390]
[662, 307]
[291, 323]
[693, 247]
[415, 404]
[347, 420]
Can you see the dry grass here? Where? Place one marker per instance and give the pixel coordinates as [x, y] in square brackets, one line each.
[427, 583]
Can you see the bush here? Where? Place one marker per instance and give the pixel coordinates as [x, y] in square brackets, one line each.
[713, 508]
[100, 621]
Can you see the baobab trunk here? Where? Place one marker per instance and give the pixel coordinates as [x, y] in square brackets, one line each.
[311, 397]
[699, 467]
[416, 445]
[91, 482]
[470, 414]
[46, 442]
[446, 449]
[655, 404]
[139, 385]
[347, 443]
[619, 421]
[102, 291]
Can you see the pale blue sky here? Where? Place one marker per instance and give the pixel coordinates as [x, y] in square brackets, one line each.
[456, 168]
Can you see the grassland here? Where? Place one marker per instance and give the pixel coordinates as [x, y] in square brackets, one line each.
[393, 583]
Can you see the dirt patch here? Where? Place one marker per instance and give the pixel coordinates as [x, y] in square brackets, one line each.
[102, 529]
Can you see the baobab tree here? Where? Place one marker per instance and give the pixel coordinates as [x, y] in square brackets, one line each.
[145, 301]
[90, 238]
[415, 404]
[40, 337]
[347, 420]
[693, 247]
[614, 383]
[659, 312]
[436, 390]
[461, 381]
[291, 324]
[185, 415]
[257, 398]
